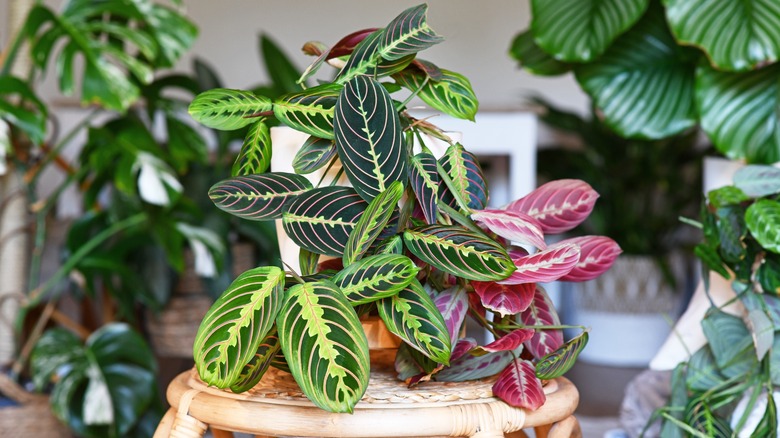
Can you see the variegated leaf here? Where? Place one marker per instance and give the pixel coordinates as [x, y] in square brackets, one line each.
[375, 277]
[451, 94]
[310, 110]
[308, 261]
[233, 328]
[558, 205]
[412, 316]
[258, 365]
[321, 219]
[368, 137]
[757, 181]
[258, 197]
[464, 171]
[392, 245]
[560, 361]
[503, 298]
[508, 342]
[313, 155]
[372, 222]
[469, 367]
[411, 364]
[763, 221]
[424, 179]
[518, 386]
[512, 225]
[597, 254]
[542, 312]
[255, 154]
[462, 347]
[459, 252]
[365, 60]
[545, 266]
[226, 109]
[453, 303]
[408, 34]
[325, 346]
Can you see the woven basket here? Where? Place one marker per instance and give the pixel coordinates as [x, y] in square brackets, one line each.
[31, 418]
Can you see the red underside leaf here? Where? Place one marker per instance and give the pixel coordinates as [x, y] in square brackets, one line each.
[545, 266]
[542, 312]
[511, 225]
[510, 341]
[463, 346]
[503, 298]
[559, 205]
[597, 254]
[518, 386]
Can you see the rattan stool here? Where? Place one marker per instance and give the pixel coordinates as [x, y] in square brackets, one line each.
[276, 407]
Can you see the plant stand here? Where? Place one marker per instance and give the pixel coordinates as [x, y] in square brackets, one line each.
[276, 407]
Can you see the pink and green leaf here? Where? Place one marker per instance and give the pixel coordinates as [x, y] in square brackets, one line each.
[508, 342]
[424, 179]
[518, 386]
[453, 304]
[504, 298]
[597, 254]
[511, 225]
[560, 361]
[469, 367]
[545, 266]
[541, 312]
[558, 205]
[258, 197]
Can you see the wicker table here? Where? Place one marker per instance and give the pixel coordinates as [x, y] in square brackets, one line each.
[276, 407]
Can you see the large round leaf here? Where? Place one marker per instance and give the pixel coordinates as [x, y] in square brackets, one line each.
[258, 197]
[644, 83]
[581, 30]
[735, 34]
[739, 112]
[325, 346]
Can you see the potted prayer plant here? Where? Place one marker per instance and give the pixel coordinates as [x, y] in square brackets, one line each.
[410, 238]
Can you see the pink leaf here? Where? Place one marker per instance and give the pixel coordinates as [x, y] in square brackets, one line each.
[558, 205]
[510, 341]
[453, 303]
[475, 304]
[512, 225]
[518, 386]
[503, 298]
[463, 346]
[515, 252]
[544, 266]
[597, 254]
[542, 312]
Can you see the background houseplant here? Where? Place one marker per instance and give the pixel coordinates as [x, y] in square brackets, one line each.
[418, 263]
[728, 387]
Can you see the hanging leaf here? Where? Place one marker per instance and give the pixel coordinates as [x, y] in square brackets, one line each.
[258, 365]
[321, 219]
[231, 332]
[412, 316]
[465, 173]
[408, 34]
[643, 84]
[468, 367]
[731, 343]
[309, 111]
[424, 179]
[372, 222]
[365, 60]
[313, 155]
[504, 298]
[410, 364]
[558, 205]
[703, 373]
[325, 346]
[763, 221]
[509, 342]
[545, 266]
[514, 226]
[762, 332]
[368, 137]
[531, 57]
[518, 386]
[756, 181]
[453, 304]
[255, 154]
[749, 128]
[451, 94]
[542, 312]
[258, 197]
[375, 277]
[226, 109]
[581, 31]
[561, 360]
[459, 252]
[597, 254]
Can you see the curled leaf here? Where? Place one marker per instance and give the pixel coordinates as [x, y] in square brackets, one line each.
[560, 361]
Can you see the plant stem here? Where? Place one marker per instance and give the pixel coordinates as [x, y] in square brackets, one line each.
[327, 169]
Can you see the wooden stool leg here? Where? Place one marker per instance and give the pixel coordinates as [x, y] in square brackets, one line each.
[569, 427]
[185, 426]
[164, 428]
[490, 433]
[219, 433]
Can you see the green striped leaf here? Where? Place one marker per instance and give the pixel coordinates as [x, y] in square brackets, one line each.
[392, 245]
[412, 316]
[408, 34]
[325, 346]
[226, 109]
[739, 112]
[309, 111]
[560, 361]
[365, 60]
[763, 221]
[424, 179]
[372, 222]
[644, 83]
[756, 181]
[465, 173]
[451, 94]
[748, 31]
[322, 219]
[258, 197]
[532, 58]
[231, 332]
[255, 155]
[375, 277]
[258, 365]
[368, 137]
[308, 261]
[459, 252]
[580, 31]
[313, 155]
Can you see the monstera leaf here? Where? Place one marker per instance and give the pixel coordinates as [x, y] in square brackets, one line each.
[309, 111]
[32, 119]
[258, 197]
[580, 31]
[231, 332]
[375, 277]
[368, 137]
[325, 346]
[227, 109]
[255, 154]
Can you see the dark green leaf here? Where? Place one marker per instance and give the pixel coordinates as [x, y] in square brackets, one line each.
[365, 60]
[725, 196]
[560, 361]
[259, 197]
[313, 155]
[257, 366]
[284, 75]
[372, 222]
[451, 94]
[424, 179]
[56, 347]
[310, 110]
[763, 221]
[465, 173]
[375, 277]
[407, 34]
[532, 58]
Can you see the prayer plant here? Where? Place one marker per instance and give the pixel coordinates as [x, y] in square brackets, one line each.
[411, 238]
